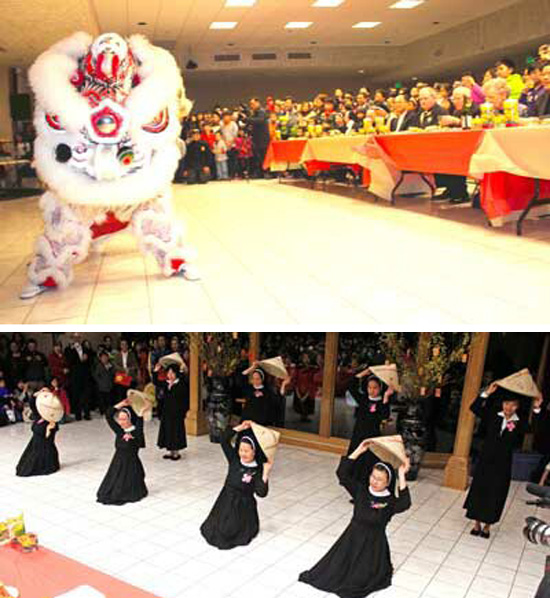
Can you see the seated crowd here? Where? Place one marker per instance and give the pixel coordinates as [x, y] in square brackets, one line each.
[231, 143]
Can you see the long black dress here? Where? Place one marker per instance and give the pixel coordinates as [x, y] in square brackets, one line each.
[359, 563]
[172, 422]
[370, 415]
[261, 405]
[493, 472]
[233, 520]
[41, 456]
[125, 479]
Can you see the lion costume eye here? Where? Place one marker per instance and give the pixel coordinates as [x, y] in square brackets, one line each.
[125, 156]
[159, 123]
[53, 122]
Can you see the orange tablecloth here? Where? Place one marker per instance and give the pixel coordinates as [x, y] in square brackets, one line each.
[447, 152]
[45, 573]
[285, 152]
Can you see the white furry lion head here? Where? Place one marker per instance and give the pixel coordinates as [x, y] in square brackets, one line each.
[106, 118]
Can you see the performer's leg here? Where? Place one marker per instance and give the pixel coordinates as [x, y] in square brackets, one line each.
[157, 233]
[64, 242]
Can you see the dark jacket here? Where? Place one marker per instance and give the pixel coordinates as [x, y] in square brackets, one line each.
[259, 128]
[543, 104]
[430, 118]
[409, 120]
[104, 376]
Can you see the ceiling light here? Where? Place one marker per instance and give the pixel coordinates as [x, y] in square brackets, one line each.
[223, 25]
[327, 3]
[298, 25]
[366, 24]
[407, 4]
[142, 23]
[232, 3]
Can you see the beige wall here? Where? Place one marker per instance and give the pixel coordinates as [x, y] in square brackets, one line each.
[5, 119]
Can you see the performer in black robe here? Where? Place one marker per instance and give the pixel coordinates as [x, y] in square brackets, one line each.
[359, 563]
[491, 481]
[125, 478]
[261, 400]
[172, 422]
[233, 520]
[373, 407]
[41, 456]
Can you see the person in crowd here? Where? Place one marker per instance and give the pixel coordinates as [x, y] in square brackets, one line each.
[104, 376]
[372, 399]
[36, 366]
[15, 364]
[108, 346]
[233, 520]
[172, 435]
[497, 91]
[443, 91]
[197, 160]
[543, 101]
[59, 391]
[220, 154]
[259, 132]
[7, 404]
[263, 402]
[158, 376]
[58, 364]
[142, 354]
[40, 456]
[533, 90]
[461, 105]
[541, 441]
[477, 95]
[401, 117]
[27, 400]
[304, 392]
[504, 431]
[359, 563]
[126, 369]
[230, 130]
[490, 73]
[124, 481]
[381, 100]
[506, 70]
[79, 362]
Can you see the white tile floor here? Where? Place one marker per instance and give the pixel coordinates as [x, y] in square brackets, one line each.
[274, 253]
[434, 555]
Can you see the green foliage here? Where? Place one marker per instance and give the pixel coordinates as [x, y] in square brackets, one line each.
[219, 350]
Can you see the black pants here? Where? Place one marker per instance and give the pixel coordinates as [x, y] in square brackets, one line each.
[258, 158]
[80, 400]
[104, 401]
[197, 175]
[232, 157]
[456, 185]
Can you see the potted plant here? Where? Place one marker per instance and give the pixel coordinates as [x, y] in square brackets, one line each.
[424, 362]
[221, 354]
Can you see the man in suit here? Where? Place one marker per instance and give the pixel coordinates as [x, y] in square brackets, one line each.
[125, 362]
[543, 101]
[79, 362]
[401, 118]
[430, 114]
[259, 131]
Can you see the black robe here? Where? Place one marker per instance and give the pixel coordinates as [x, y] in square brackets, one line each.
[493, 471]
[261, 405]
[172, 422]
[41, 456]
[233, 520]
[359, 563]
[125, 479]
[369, 417]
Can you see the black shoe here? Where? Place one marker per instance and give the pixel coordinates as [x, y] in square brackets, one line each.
[167, 456]
[87, 417]
[459, 200]
[175, 458]
[485, 535]
[475, 532]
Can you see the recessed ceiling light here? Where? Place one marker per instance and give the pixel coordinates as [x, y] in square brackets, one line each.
[223, 25]
[298, 25]
[142, 23]
[232, 3]
[327, 3]
[361, 71]
[366, 24]
[407, 4]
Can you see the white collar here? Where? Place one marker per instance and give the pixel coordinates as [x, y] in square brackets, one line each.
[251, 464]
[382, 493]
[258, 387]
[514, 417]
[128, 430]
[378, 398]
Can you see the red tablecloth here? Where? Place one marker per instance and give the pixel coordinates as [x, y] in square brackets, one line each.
[446, 152]
[289, 152]
[46, 574]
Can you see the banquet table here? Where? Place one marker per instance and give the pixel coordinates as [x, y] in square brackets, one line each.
[47, 574]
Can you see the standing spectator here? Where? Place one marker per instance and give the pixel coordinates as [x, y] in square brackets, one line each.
[80, 377]
[36, 367]
[506, 70]
[58, 364]
[15, 364]
[229, 130]
[108, 346]
[244, 153]
[533, 90]
[104, 375]
[478, 97]
[543, 103]
[143, 363]
[125, 363]
[197, 160]
[259, 131]
[220, 154]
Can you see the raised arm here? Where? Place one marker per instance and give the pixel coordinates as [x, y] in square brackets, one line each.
[227, 447]
[479, 406]
[403, 501]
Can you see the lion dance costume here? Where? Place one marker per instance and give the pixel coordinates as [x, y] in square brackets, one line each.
[107, 146]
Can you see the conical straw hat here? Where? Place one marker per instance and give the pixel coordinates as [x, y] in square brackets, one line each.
[389, 449]
[387, 373]
[268, 439]
[49, 406]
[521, 382]
[274, 367]
[141, 404]
[173, 358]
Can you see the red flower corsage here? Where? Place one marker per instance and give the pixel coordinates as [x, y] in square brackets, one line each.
[510, 426]
[373, 408]
[247, 478]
